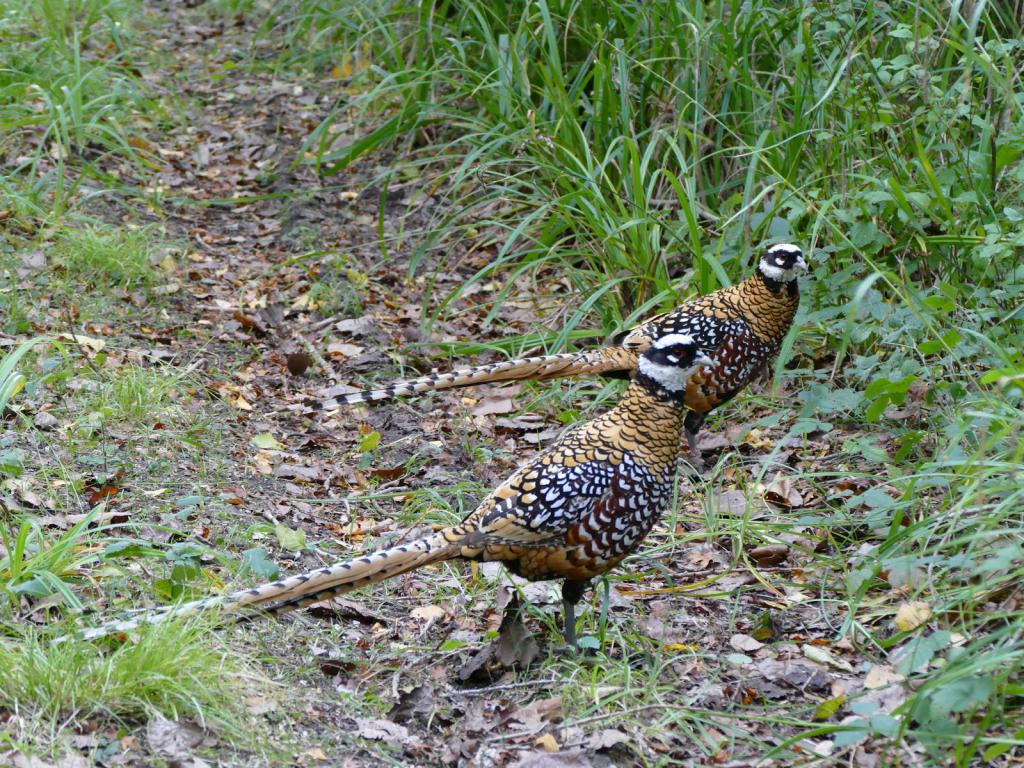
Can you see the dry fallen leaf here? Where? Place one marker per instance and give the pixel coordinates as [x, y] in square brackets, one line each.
[171, 739]
[880, 676]
[782, 492]
[260, 705]
[90, 343]
[824, 656]
[343, 350]
[758, 439]
[575, 758]
[382, 730]
[745, 643]
[730, 502]
[538, 712]
[45, 420]
[490, 406]
[912, 615]
[796, 673]
[427, 612]
[417, 703]
[240, 403]
[607, 738]
[299, 473]
[547, 742]
[361, 326]
[769, 554]
[700, 556]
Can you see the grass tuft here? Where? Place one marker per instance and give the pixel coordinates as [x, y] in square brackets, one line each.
[108, 257]
[138, 394]
[177, 670]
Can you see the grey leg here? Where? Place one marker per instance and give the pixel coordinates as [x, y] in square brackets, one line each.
[691, 427]
[696, 458]
[569, 613]
[572, 592]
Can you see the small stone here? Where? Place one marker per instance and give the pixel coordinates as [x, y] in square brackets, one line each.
[45, 420]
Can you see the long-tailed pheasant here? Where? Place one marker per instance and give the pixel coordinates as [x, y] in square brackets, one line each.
[742, 327]
[572, 513]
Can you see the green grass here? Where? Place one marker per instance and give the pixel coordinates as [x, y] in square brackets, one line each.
[68, 104]
[176, 670]
[11, 380]
[107, 256]
[617, 151]
[37, 565]
[136, 395]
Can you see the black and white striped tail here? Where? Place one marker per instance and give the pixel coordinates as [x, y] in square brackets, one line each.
[542, 367]
[305, 588]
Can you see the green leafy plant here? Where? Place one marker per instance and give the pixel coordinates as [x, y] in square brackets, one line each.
[36, 565]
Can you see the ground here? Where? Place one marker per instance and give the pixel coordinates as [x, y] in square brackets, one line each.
[186, 406]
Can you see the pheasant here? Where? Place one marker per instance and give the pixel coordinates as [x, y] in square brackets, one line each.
[742, 326]
[572, 513]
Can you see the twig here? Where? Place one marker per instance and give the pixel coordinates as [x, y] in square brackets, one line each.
[510, 686]
[321, 324]
[266, 515]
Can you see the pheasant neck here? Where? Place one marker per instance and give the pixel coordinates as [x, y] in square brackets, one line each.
[652, 393]
[649, 420]
[777, 287]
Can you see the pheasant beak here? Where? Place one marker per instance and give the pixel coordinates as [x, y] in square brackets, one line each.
[801, 263]
[701, 359]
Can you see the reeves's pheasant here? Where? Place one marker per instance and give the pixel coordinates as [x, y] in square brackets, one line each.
[572, 513]
[742, 327]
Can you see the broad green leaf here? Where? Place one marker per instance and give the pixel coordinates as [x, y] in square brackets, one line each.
[294, 540]
[885, 725]
[877, 387]
[934, 346]
[854, 733]
[921, 650]
[369, 442]
[267, 442]
[256, 561]
[452, 645]
[939, 303]
[12, 462]
[858, 577]
[876, 409]
[828, 708]
[129, 548]
[961, 695]
[997, 750]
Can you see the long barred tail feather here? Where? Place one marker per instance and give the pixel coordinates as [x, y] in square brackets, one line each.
[607, 359]
[306, 588]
